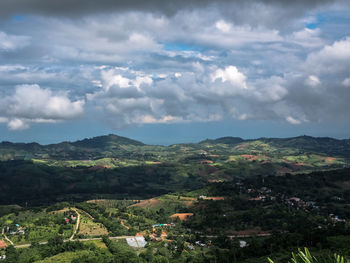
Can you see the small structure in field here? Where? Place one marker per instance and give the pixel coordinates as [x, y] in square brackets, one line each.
[137, 241]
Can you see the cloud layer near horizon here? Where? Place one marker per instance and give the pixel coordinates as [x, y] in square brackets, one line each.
[136, 62]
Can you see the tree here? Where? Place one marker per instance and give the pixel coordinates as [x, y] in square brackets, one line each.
[55, 241]
[306, 257]
[11, 254]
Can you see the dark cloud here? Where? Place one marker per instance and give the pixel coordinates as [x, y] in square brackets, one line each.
[82, 7]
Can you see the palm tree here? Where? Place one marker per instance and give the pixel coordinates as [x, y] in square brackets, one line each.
[306, 257]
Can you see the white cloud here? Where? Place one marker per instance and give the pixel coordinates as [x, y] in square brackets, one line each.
[109, 79]
[271, 89]
[204, 94]
[309, 38]
[196, 65]
[17, 124]
[11, 68]
[232, 75]
[223, 26]
[30, 104]
[147, 80]
[312, 81]
[292, 120]
[12, 42]
[152, 120]
[346, 82]
[332, 59]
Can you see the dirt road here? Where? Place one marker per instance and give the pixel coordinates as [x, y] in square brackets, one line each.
[6, 238]
[76, 225]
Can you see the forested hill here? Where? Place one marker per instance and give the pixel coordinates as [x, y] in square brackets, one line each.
[108, 141]
[97, 147]
[120, 166]
[113, 146]
[321, 145]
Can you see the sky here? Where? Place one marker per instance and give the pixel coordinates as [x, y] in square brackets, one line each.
[168, 72]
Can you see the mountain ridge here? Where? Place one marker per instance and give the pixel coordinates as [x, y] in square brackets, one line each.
[224, 140]
[114, 146]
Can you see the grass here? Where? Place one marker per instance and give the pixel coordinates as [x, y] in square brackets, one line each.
[65, 257]
[97, 243]
[89, 228]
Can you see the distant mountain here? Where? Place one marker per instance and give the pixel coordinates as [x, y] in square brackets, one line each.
[98, 147]
[114, 146]
[118, 165]
[325, 145]
[108, 141]
[307, 144]
[223, 140]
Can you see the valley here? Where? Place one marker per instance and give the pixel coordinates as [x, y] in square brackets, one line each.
[113, 199]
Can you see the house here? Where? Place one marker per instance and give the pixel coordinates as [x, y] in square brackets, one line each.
[243, 243]
[21, 231]
[198, 243]
[336, 218]
[190, 247]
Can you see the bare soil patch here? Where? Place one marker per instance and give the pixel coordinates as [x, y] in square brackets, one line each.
[150, 203]
[182, 216]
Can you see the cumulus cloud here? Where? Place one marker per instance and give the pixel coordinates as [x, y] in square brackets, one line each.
[17, 124]
[231, 75]
[332, 59]
[203, 94]
[190, 61]
[31, 103]
[271, 89]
